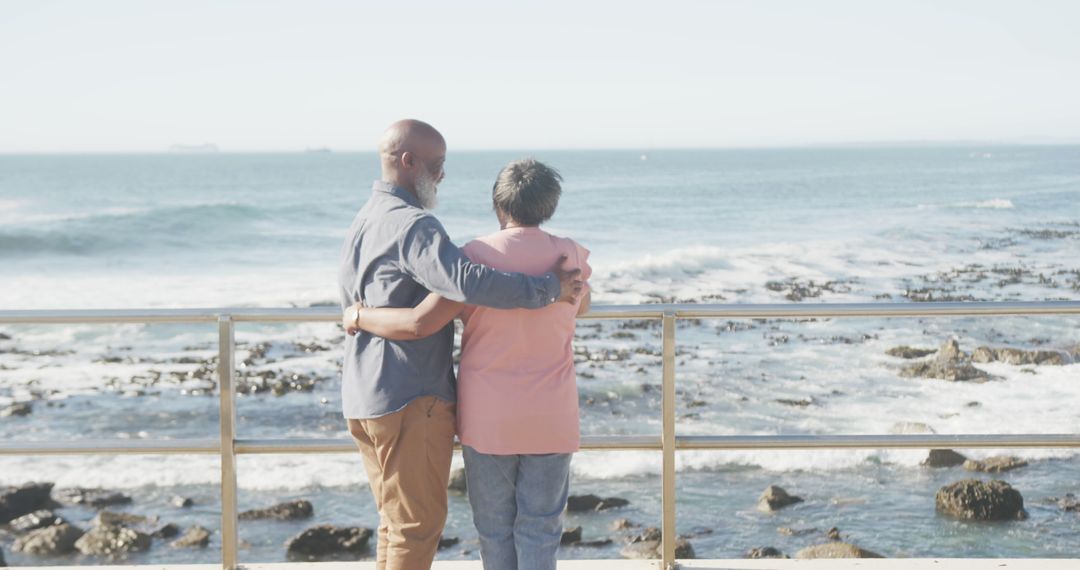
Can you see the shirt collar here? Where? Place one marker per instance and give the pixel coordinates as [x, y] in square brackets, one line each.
[397, 191]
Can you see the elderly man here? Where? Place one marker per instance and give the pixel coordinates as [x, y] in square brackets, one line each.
[398, 396]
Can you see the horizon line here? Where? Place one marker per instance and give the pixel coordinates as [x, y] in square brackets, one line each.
[353, 150]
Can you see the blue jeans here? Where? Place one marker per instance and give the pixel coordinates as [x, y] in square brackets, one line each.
[517, 504]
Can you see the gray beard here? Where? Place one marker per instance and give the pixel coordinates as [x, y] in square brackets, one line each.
[425, 192]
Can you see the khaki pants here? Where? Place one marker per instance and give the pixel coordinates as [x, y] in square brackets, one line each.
[407, 457]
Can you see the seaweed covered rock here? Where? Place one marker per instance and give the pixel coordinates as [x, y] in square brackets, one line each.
[329, 542]
[112, 540]
[972, 499]
[775, 498]
[836, 550]
[18, 501]
[48, 541]
[293, 510]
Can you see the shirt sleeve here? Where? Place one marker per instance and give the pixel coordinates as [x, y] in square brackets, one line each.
[429, 257]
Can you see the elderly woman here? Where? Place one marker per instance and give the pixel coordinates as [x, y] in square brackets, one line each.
[517, 390]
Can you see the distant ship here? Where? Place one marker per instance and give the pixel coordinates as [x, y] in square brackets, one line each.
[205, 148]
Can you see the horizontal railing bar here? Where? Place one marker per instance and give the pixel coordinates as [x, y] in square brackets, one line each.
[112, 447]
[272, 446]
[594, 442]
[684, 310]
[928, 441]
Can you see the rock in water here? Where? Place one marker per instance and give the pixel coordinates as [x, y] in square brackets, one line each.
[181, 502]
[972, 499]
[284, 512]
[775, 498]
[570, 535]
[96, 498]
[110, 518]
[169, 530]
[112, 540]
[457, 482]
[611, 503]
[20, 409]
[647, 545]
[944, 458]
[195, 537]
[998, 464]
[448, 542]
[765, 552]
[49, 541]
[909, 352]
[328, 541]
[582, 503]
[950, 364]
[18, 501]
[836, 550]
[35, 520]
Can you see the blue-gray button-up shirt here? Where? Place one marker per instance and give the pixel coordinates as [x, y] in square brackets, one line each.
[395, 254]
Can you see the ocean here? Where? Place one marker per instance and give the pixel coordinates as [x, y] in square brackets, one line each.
[801, 225]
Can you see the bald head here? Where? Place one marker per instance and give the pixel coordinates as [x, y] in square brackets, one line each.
[412, 153]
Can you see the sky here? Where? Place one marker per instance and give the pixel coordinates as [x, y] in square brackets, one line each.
[118, 76]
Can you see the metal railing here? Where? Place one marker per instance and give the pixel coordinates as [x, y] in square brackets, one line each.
[228, 446]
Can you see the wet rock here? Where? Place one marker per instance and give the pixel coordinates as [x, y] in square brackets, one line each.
[998, 464]
[909, 352]
[328, 541]
[795, 403]
[943, 458]
[19, 409]
[457, 482]
[612, 503]
[788, 531]
[109, 518]
[647, 545]
[1019, 357]
[96, 498]
[169, 530]
[950, 364]
[18, 501]
[1067, 503]
[49, 541]
[293, 510]
[181, 502]
[195, 537]
[765, 552]
[836, 550]
[35, 520]
[593, 543]
[111, 540]
[833, 534]
[570, 535]
[448, 542]
[582, 503]
[775, 498]
[796, 290]
[972, 499]
[623, 524]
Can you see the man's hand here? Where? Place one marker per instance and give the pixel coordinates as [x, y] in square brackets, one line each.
[570, 282]
[349, 319]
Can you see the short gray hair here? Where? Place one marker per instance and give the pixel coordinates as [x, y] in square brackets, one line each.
[528, 191]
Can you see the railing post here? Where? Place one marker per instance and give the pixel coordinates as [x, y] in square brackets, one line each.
[668, 441]
[226, 368]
